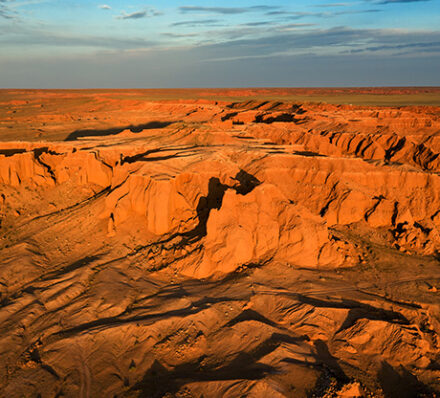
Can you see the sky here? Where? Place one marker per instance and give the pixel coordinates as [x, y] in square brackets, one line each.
[240, 43]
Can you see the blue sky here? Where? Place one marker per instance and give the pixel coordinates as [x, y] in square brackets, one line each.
[57, 43]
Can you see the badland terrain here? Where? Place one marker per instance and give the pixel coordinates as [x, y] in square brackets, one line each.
[220, 243]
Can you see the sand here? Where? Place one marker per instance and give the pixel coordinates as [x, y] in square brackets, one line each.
[185, 244]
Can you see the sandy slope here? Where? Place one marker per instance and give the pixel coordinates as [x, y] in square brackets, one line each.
[195, 248]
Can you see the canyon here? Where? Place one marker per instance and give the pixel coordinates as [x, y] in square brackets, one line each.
[219, 243]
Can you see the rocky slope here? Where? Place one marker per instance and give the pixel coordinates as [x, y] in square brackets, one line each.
[217, 248]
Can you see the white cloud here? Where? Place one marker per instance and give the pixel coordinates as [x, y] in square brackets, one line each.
[133, 15]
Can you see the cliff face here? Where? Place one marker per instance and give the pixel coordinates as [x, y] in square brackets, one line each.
[221, 248]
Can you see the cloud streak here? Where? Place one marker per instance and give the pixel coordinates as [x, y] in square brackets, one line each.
[226, 10]
[326, 14]
[332, 5]
[39, 38]
[398, 1]
[179, 35]
[196, 22]
[133, 15]
[427, 47]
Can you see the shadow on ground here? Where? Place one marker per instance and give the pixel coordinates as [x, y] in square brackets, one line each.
[116, 130]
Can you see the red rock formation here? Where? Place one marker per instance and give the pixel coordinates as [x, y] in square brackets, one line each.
[212, 247]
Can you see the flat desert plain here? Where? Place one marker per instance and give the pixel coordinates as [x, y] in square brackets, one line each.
[220, 243]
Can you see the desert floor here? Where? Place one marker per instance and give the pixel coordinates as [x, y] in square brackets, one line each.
[220, 243]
